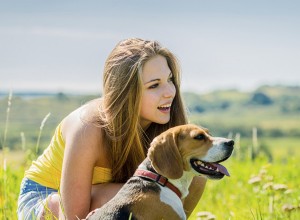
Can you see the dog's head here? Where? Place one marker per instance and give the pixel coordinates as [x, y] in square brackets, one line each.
[189, 148]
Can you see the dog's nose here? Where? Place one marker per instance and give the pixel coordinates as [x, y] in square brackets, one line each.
[229, 143]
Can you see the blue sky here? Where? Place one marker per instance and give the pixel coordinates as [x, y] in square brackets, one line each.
[62, 45]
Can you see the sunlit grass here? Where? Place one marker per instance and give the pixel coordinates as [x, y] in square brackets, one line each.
[234, 197]
[11, 177]
[255, 190]
[10, 180]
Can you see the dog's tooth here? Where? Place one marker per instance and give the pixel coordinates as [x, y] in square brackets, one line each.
[217, 170]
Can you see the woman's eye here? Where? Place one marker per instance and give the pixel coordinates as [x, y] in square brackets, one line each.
[153, 86]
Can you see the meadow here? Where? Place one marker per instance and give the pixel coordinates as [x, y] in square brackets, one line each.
[256, 189]
[264, 178]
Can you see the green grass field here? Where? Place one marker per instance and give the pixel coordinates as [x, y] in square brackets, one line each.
[255, 190]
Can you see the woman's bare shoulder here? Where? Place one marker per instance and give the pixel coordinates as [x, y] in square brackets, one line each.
[83, 117]
[80, 130]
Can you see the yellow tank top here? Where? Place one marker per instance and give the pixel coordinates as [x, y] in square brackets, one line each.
[46, 170]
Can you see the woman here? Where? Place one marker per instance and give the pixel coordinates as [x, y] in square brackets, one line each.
[96, 148]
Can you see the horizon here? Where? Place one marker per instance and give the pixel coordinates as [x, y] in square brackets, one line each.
[33, 93]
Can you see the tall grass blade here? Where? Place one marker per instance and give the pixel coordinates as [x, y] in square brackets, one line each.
[23, 140]
[40, 132]
[7, 118]
[4, 205]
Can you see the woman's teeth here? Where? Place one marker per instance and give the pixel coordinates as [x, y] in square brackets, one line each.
[164, 107]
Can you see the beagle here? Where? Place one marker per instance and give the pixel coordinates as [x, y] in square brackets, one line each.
[162, 180]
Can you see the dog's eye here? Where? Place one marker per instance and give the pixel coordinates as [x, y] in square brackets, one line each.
[200, 137]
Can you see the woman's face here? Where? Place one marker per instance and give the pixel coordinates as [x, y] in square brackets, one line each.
[158, 92]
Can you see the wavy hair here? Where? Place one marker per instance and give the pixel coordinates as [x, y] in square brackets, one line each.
[127, 142]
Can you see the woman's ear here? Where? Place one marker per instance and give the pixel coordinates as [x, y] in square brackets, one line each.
[165, 156]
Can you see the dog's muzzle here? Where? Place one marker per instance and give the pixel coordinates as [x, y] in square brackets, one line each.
[213, 169]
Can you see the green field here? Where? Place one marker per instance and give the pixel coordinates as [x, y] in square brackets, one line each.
[275, 193]
[255, 190]
[264, 182]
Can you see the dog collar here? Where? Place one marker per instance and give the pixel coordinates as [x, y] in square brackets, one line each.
[161, 180]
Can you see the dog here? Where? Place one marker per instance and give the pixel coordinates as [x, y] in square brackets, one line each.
[163, 178]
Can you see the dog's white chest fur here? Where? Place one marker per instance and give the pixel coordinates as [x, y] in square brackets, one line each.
[183, 183]
[167, 196]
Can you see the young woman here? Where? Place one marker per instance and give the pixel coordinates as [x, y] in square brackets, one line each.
[96, 148]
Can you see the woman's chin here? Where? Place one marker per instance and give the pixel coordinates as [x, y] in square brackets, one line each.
[163, 121]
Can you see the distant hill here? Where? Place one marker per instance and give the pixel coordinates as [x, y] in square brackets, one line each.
[273, 110]
[287, 98]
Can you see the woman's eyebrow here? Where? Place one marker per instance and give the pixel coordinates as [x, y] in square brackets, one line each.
[153, 80]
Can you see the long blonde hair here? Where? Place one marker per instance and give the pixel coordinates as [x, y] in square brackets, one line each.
[119, 114]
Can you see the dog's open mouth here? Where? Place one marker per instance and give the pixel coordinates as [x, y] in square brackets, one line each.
[212, 170]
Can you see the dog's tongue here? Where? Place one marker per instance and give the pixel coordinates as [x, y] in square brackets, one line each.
[222, 169]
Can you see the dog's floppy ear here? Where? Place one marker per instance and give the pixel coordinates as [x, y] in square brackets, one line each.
[165, 157]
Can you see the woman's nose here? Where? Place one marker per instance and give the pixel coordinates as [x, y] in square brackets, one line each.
[169, 91]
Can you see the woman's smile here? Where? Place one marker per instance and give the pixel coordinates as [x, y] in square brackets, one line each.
[165, 108]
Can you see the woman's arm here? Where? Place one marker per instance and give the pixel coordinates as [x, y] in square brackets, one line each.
[196, 190]
[78, 164]
[83, 151]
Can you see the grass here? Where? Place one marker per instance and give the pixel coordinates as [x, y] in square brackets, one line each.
[256, 189]
[10, 176]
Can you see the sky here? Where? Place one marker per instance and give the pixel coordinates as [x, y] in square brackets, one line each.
[61, 46]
